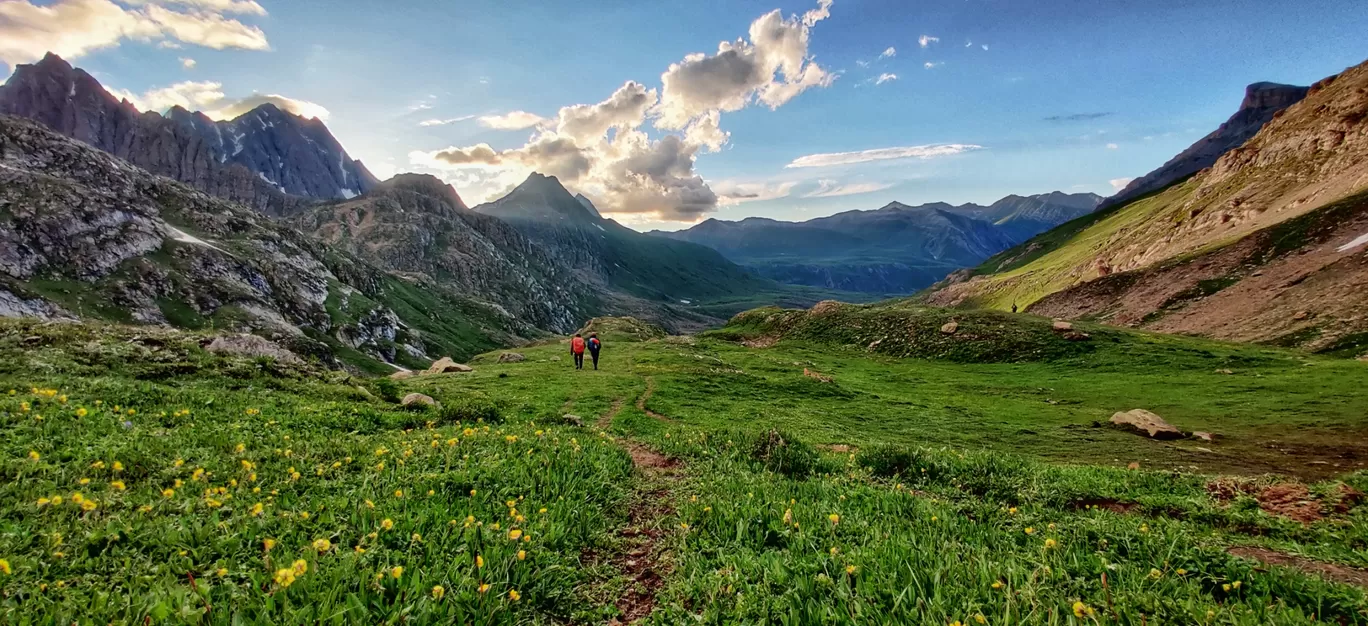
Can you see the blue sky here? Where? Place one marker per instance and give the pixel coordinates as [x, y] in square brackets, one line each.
[1036, 96]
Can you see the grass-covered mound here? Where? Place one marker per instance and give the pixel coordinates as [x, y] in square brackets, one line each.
[908, 331]
[622, 329]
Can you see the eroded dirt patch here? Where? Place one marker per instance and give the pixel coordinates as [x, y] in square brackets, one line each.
[1329, 571]
[763, 341]
[1115, 506]
[1291, 500]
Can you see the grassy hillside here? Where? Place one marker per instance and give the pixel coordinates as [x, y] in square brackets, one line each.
[905, 490]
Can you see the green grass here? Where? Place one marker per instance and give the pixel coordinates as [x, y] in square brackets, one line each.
[967, 492]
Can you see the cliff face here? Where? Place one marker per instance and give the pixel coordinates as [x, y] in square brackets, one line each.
[1261, 103]
[266, 158]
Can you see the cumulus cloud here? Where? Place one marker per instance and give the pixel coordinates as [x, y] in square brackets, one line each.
[444, 122]
[187, 63]
[602, 151]
[513, 120]
[927, 40]
[889, 52]
[1119, 183]
[72, 28]
[208, 97]
[771, 66]
[882, 154]
[827, 188]
[885, 77]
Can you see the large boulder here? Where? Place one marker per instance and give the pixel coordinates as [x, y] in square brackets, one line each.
[1061, 325]
[418, 398]
[511, 357]
[445, 365]
[402, 374]
[251, 346]
[949, 328]
[1147, 423]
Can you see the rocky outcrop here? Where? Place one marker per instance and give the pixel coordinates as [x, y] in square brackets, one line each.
[251, 346]
[1146, 423]
[85, 234]
[266, 158]
[1261, 103]
[445, 365]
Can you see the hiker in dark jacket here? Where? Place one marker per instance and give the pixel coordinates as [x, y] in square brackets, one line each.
[594, 346]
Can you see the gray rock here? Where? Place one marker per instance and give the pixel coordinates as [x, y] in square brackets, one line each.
[251, 346]
[418, 398]
[1203, 435]
[949, 328]
[1062, 325]
[402, 374]
[511, 357]
[572, 419]
[1147, 423]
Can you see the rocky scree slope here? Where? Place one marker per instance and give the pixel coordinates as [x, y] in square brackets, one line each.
[1268, 201]
[266, 158]
[86, 234]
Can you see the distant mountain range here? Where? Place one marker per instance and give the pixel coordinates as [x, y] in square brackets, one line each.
[400, 271]
[894, 249]
[1263, 238]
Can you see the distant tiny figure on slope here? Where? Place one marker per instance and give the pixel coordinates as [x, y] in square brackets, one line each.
[1014, 307]
[594, 346]
[577, 351]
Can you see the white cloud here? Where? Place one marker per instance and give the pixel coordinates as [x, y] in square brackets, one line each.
[827, 188]
[72, 28]
[513, 120]
[187, 63]
[1119, 183]
[745, 71]
[862, 63]
[968, 44]
[881, 154]
[441, 122]
[600, 149]
[931, 65]
[885, 77]
[208, 97]
[730, 193]
[927, 40]
[220, 6]
[889, 52]
[984, 46]
[1112, 146]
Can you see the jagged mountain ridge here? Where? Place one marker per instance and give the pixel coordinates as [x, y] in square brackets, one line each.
[895, 249]
[266, 158]
[1258, 247]
[1262, 101]
[86, 234]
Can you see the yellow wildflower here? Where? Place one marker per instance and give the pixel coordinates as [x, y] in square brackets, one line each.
[1050, 544]
[522, 555]
[33, 455]
[516, 534]
[416, 537]
[397, 571]
[1155, 573]
[514, 595]
[322, 545]
[850, 569]
[484, 587]
[268, 544]
[1030, 530]
[835, 519]
[997, 584]
[438, 592]
[1081, 610]
[5, 567]
[117, 485]
[117, 467]
[479, 561]
[387, 523]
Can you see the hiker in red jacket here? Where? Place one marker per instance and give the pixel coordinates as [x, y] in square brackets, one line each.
[594, 346]
[577, 351]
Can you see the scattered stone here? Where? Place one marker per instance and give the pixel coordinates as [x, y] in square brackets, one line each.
[418, 398]
[1133, 465]
[876, 342]
[251, 346]
[1203, 435]
[949, 328]
[572, 419]
[445, 365]
[1301, 315]
[820, 378]
[555, 358]
[402, 374]
[826, 306]
[1062, 325]
[1074, 335]
[1142, 421]
[1225, 371]
[1207, 450]
[511, 357]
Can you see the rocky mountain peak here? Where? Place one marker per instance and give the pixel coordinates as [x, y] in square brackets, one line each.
[1265, 95]
[540, 198]
[425, 184]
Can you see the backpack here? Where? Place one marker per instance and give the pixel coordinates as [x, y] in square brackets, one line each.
[594, 344]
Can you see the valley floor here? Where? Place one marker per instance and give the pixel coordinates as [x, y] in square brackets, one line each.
[227, 490]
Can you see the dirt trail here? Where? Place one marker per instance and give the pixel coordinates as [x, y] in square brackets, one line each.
[1328, 571]
[606, 420]
[641, 557]
[646, 395]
